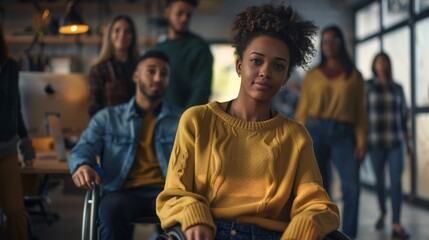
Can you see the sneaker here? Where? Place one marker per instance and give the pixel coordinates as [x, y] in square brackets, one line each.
[379, 224]
[403, 235]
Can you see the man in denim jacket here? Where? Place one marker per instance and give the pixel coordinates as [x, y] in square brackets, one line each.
[134, 142]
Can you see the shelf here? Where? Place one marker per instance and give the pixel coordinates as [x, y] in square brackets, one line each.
[205, 6]
[85, 6]
[67, 40]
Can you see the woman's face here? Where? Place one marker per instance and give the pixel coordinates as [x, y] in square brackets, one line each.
[381, 65]
[121, 35]
[264, 67]
[331, 44]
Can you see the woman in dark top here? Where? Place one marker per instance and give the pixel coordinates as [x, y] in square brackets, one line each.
[110, 80]
[12, 133]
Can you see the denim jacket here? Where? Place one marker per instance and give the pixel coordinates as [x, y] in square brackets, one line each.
[113, 134]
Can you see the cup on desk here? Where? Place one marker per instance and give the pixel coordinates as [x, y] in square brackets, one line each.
[55, 130]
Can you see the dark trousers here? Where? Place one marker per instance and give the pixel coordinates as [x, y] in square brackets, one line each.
[117, 209]
[11, 198]
[226, 230]
[395, 157]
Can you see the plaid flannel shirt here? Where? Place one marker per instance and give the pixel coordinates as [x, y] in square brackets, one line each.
[387, 114]
[109, 84]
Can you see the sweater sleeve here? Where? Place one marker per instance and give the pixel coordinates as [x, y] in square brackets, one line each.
[313, 214]
[178, 203]
[361, 112]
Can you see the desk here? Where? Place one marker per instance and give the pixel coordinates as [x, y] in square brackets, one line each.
[46, 165]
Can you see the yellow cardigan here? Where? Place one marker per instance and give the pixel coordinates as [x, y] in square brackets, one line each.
[262, 173]
[336, 99]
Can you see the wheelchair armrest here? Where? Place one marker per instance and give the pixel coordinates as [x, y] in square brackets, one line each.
[336, 235]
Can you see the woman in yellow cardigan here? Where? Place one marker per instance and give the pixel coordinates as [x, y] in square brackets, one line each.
[238, 169]
[332, 108]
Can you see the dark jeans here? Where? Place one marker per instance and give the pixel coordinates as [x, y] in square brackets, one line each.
[118, 208]
[335, 142]
[234, 231]
[394, 156]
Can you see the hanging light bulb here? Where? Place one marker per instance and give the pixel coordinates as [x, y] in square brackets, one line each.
[73, 23]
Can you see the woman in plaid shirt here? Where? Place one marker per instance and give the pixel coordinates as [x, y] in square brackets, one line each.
[387, 133]
[110, 80]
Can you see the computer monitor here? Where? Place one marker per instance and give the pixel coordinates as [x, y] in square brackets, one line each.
[47, 93]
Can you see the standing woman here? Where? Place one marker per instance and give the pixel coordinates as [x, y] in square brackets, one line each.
[332, 107]
[238, 169]
[110, 80]
[387, 136]
[12, 134]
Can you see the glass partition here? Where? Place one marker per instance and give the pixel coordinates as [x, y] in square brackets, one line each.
[365, 53]
[422, 154]
[422, 63]
[397, 45]
[367, 20]
[394, 11]
[421, 5]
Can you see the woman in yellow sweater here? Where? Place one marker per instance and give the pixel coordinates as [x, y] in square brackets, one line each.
[332, 108]
[239, 169]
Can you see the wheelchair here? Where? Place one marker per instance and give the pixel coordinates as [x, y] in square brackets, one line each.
[90, 230]
[90, 222]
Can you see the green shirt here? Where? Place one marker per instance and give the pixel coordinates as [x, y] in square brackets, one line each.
[191, 70]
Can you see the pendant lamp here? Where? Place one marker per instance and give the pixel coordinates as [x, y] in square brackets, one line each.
[72, 23]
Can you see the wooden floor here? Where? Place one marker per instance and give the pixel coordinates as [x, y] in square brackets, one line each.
[69, 207]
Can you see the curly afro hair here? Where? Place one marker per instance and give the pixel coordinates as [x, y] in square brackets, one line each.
[279, 22]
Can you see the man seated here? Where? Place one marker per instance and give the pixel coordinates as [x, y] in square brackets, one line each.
[134, 142]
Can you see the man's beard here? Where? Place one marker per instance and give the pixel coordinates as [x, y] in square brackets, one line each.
[151, 97]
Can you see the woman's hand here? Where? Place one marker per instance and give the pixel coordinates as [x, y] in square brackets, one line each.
[199, 232]
[360, 154]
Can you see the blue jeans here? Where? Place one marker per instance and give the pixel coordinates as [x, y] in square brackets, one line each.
[335, 142]
[119, 207]
[235, 231]
[394, 156]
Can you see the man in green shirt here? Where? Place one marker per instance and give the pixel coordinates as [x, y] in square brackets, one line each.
[190, 56]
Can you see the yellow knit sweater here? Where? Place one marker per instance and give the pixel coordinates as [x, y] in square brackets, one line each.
[336, 99]
[261, 173]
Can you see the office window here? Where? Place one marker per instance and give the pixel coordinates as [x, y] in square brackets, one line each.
[226, 83]
[365, 53]
[394, 11]
[367, 20]
[421, 5]
[422, 63]
[422, 154]
[397, 45]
